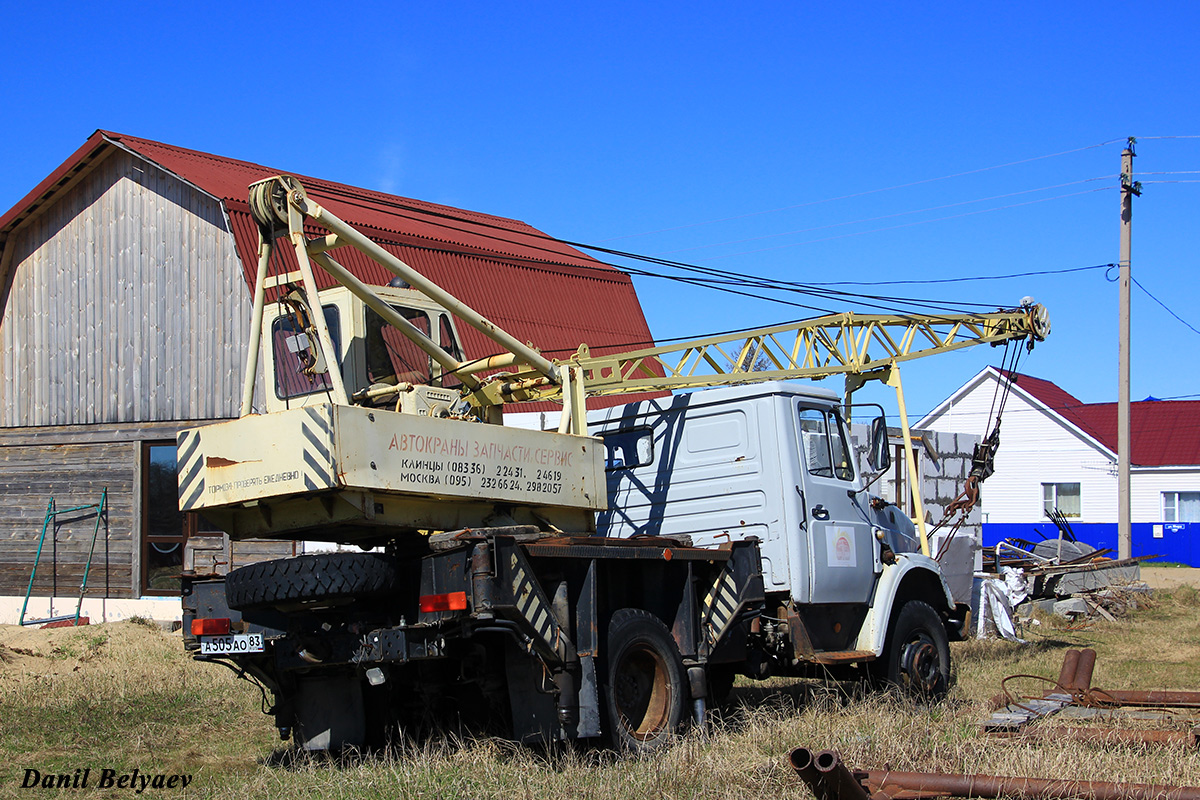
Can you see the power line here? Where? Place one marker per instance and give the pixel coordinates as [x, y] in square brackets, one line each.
[1164, 305]
[719, 280]
[966, 280]
[725, 278]
[886, 216]
[868, 192]
[911, 224]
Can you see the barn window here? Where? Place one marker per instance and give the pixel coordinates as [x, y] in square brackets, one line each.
[165, 528]
[1063, 497]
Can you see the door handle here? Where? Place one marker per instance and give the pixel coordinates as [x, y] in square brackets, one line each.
[820, 512]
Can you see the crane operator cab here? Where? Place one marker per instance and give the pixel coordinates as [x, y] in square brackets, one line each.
[380, 366]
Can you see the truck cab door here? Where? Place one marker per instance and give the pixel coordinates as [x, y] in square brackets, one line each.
[842, 549]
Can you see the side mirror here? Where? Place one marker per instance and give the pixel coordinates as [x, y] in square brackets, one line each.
[879, 456]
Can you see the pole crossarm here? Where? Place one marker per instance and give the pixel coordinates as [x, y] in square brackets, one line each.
[836, 344]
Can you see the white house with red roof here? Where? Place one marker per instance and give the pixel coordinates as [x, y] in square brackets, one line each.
[1057, 452]
[126, 280]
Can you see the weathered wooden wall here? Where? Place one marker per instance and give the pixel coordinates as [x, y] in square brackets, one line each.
[74, 464]
[128, 304]
[38, 465]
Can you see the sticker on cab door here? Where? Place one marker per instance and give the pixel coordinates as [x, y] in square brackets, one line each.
[840, 542]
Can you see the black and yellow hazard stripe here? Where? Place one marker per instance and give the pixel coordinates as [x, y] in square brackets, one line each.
[317, 430]
[190, 469]
[720, 604]
[531, 605]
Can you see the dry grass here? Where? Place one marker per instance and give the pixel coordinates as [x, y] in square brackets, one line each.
[124, 696]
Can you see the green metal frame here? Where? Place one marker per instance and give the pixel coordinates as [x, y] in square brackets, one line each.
[52, 514]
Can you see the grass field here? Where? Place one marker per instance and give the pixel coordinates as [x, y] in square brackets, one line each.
[123, 696]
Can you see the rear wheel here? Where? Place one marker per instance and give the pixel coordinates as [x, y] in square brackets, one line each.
[646, 692]
[917, 655]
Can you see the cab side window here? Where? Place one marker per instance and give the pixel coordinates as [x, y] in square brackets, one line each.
[823, 445]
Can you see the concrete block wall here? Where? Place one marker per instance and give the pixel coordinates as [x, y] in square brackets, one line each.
[943, 463]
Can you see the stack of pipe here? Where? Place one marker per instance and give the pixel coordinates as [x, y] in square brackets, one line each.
[830, 779]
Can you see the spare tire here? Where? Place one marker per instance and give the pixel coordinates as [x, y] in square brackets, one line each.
[310, 580]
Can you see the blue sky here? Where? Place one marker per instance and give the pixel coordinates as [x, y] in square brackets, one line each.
[670, 129]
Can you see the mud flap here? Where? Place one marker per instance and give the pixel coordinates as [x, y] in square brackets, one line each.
[329, 713]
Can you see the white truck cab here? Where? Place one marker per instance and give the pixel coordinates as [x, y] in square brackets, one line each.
[771, 461]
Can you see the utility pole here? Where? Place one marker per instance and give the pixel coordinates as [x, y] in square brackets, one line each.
[1129, 188]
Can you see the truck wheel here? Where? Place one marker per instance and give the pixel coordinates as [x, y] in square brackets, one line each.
[310, 580]
[646, 692]
[917, 656]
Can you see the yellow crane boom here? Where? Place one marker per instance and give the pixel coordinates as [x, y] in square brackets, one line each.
[861, 347]
[837, 344]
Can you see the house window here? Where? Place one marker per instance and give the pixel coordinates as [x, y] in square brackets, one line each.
[1063, 497]
[165, 528]
[904, 498]
[1181, 506]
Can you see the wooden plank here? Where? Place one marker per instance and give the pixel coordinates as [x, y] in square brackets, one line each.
[89, 434]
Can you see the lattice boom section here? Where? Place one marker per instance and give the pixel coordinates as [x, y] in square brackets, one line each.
[830, 345]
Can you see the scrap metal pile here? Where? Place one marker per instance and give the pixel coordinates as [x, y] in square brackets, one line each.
[1060, 576]
[1072, 695]
[829, 779]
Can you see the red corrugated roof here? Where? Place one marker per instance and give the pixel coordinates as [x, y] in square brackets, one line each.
[540, 290]
[1162, 432]
[400, 219]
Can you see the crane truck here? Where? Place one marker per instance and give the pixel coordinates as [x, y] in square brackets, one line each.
[604, 580]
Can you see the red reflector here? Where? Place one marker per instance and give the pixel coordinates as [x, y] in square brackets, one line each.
[453, 601]
[210, 627]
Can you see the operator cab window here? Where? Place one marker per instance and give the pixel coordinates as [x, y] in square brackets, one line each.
[448, 343]
[394, 358]
[294, 351]
[823, 445]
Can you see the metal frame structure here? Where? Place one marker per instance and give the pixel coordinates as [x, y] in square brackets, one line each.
[50, 524]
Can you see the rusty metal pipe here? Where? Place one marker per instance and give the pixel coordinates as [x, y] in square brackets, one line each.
[802, 762]
[837, 781]
[1084, 669]
[1156, 697]
[1104, 736]
[1066, 676]
[912, 785]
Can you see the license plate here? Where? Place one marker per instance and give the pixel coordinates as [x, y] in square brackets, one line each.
[232, 644]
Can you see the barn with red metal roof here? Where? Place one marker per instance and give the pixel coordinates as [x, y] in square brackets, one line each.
[1059, 453]
[126, 279]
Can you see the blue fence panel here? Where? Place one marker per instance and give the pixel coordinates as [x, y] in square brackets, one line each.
[1177, 542]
